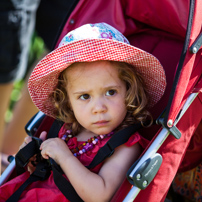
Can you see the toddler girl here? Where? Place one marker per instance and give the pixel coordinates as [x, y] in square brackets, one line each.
[97, 84]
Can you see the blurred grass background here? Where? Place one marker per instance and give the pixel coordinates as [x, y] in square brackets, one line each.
[37, 47]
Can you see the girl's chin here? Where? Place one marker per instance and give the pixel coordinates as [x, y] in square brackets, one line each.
[101, 132]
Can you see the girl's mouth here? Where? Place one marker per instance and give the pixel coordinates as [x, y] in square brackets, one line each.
[101, 123]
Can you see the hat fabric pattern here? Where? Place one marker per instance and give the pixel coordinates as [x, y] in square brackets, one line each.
[94, 31]
[93, 42]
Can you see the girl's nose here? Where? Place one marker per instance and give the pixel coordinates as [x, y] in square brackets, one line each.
[99, 107]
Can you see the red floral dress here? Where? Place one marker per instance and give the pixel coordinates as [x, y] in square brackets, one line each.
[46, 190]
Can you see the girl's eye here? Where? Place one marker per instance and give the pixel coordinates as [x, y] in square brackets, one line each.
[84, 97]
[110, 92]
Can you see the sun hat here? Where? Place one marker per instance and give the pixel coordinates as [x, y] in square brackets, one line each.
[93, 42]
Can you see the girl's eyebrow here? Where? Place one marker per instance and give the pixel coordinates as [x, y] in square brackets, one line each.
[81, 92]
[112, 87]
[105, 88]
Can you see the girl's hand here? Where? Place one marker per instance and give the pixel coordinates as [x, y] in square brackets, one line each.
[32, 161]
[56, 149]
[28, 139]
[31, 166]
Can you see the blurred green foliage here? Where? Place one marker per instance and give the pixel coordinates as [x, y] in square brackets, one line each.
[36, 49]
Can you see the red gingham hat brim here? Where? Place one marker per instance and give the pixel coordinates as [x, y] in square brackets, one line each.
[44, 77]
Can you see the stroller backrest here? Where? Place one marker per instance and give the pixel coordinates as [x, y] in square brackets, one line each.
[169, 16]
[160, 30]
[157, 27]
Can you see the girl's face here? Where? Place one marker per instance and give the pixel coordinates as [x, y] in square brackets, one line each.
[97, 96]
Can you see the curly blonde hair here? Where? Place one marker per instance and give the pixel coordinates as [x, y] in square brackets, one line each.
[136, 98]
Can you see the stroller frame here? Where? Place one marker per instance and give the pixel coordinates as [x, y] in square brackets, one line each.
[135, 175]
[151, 151]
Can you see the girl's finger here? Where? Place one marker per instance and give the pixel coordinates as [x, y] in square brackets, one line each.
[28, 139]
[43, 135]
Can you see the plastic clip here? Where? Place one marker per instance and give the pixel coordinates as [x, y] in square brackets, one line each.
[173, 130]
[145, 173]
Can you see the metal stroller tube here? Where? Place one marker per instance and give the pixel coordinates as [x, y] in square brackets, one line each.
[6, 174]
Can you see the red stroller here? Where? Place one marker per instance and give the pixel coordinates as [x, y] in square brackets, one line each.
[167, 29]
[182, 117]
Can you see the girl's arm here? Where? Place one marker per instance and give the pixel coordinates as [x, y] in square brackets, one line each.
[88, 185]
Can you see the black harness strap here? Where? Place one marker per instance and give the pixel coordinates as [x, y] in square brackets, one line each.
[55, 128]
[107, 150]
[23, 156]
[61, 182]
[41, 173]
[116, 140]
[43, 168]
